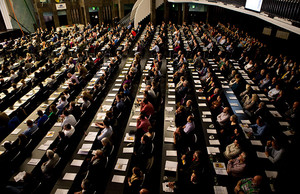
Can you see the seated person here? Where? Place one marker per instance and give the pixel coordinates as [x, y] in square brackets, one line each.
[42, 118]
[190, 125]
[67, 119]
[135, 181]
[236, 167]
[31, 128]
[180, 116]
[61, 103]
[146, 107]
[50, 164]
[232, 150]
[107, 130]
[223, 117]
[106, 146]
[96, 166]
[274, 152]
[68, 130]
[259, 128]
[248, 185]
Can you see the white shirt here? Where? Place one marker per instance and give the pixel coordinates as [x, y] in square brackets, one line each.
[69, 120]
[69, 133]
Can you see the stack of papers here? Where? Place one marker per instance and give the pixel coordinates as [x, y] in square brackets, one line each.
[16, 131]
[121, 164]
[261, 154]
[50, 134]
[171, 166]
[19, 176]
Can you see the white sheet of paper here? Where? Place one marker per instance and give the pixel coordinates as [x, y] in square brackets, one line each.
[111, 94]
[271, 174]
[169, 109]
[34, 161]
[171, 128]
[234, 104]
[132, 124]
[246, 122]
[76, 162]
[229, 92]
[256, 142]
[118, 179]
[171, 165]
[261, 154]
[212, 131]
[214, 142]
[61, 191]
[171, 102]
[232, 98]
[171, 153]
[220, 190]
[201, 104]
[171, 96]
[128, 150]
[206, 112]
[121, 164]
[220, 168]
[239, 111]
[206, 120]
[212, 150]
[69, 176]
[169, 140]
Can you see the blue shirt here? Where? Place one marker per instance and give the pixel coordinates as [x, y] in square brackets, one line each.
[42, 120]
[30, 130]
[259, 129]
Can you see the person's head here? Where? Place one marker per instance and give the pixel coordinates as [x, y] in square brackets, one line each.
[196, 155]
[106, 123]
[99, 154]
[53, 108]
[40, 113]
[136, 171]
[185, 83]
[7, 145]
[144, 191]
[66, 113]
[29, 123]
[242, 157]
[105, 141]
[190, 119]
[236, 142]
[189, 103]
[257, 180]
[145, 139]
[49, 154]
[67, 127]
[194, 177]
[259, 121]
[255, 97]
[85, 184]
[63, 98]
[216, 90]
[61, 135]
[296, 104]
[225, 110]
[233, 118]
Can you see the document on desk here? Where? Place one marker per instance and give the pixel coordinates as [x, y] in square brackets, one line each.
[171, 85]
[284, 123]
[110, 100]
[169, 119]
[115, 89]
[171, 166]
[214, 142]
[211, 131]
[232, 98]
[20, 176]
[239, 111]
[171, 102]
[275, 113]
[16, 131]
[202, 104]
[169, 139]
[171, 96]
[171, 128]
[270, 106]
[201, 98]
[69, 176]
[271, 174]
[135, 117]
[121, 164]
[197, 81]
[166, 188]
[220, 168]
[169, 109]
[171, 153]
[261, 154]
[206, 112]
[100, 116]
[288, 132]
[132, 124]
[118, 179]
[256, 142]
[91, 136]
[246, 122]
[129, 138]
[128, 150]
[111, 94]
[171, 90]
[57, 124]
[206, 120]
[213, 150]
[34, 161]
[50, 134]
[225, 86]
[220, 189]
[76, 162]
[106, 107]
[61, 191]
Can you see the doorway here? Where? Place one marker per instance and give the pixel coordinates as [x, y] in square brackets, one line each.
[62, 17]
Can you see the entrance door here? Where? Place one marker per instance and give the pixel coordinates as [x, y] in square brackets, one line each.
[62, 17]
[94, 17]
[48, 19]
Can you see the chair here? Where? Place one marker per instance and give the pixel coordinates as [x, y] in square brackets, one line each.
[106, 162]
[195, 138]
[112, 150]
[152, 149]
